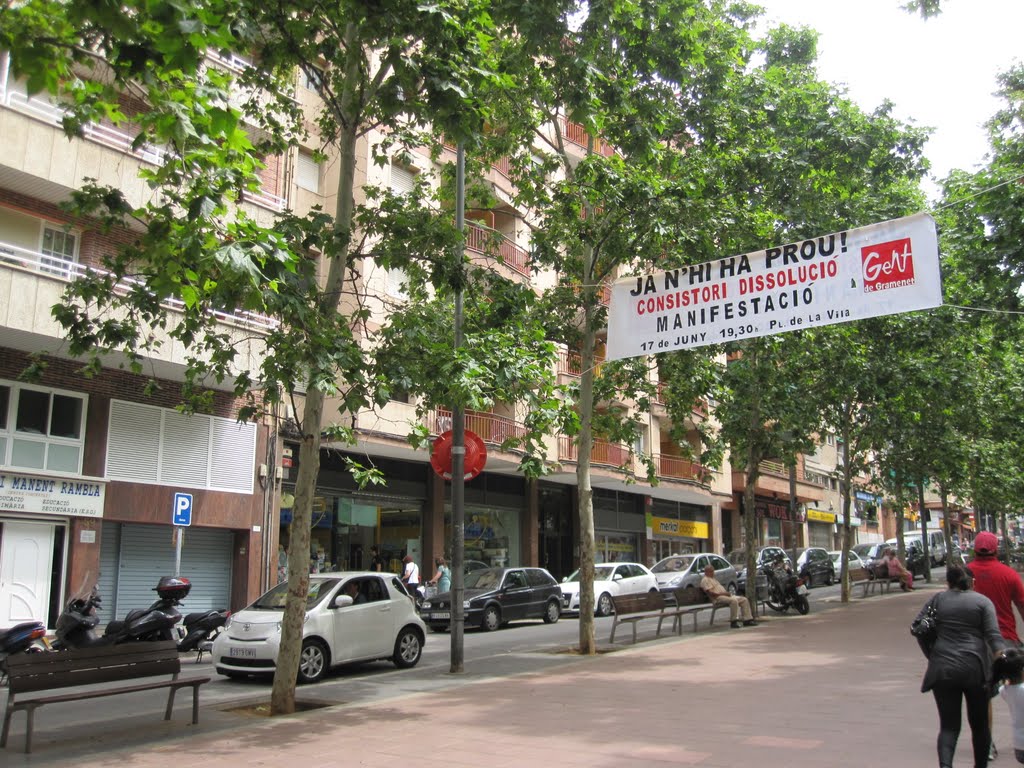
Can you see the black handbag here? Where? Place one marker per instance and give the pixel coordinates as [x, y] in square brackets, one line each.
[925, 628]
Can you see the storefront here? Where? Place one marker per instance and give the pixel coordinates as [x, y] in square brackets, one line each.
[619, 527]
[35, 516]
[778, 525]
[677, 529]
[821, 526]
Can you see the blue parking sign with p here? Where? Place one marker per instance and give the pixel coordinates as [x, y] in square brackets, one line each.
[182, 509]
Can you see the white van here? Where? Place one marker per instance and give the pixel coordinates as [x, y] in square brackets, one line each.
[936, 544]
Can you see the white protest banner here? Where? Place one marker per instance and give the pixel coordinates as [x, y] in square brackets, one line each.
[871, 271]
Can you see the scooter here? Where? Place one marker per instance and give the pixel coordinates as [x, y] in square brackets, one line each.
[785, 588]
[26, 637]
[76, 626]
[200, 629]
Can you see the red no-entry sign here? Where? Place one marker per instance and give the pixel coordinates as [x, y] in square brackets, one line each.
[441, 455]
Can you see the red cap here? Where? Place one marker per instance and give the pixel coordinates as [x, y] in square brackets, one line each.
[985, 543]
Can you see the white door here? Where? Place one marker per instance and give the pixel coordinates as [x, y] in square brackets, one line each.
[26, 551]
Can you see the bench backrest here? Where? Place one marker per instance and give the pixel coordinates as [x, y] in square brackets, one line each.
[690, 596]
[28, 672]
[638, 603]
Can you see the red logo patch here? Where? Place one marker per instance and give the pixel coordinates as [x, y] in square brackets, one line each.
[887, 265]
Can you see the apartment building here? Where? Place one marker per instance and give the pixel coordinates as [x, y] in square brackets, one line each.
[90, 466]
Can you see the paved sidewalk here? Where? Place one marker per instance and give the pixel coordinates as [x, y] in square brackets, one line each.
[837, 688]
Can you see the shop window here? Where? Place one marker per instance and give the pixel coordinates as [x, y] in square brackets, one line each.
[48, 429]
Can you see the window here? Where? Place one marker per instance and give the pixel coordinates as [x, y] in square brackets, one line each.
[307, 173]
[41, 429]
[59, 249]
[310, 81]
[403, 181]
[397, 284]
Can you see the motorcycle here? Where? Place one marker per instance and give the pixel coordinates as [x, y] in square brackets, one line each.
[200, 629]
[76, 626]
[785, 588]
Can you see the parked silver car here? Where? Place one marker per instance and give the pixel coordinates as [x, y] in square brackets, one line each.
[686, 571]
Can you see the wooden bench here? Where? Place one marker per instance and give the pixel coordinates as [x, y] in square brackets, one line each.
[882, 584]
[36, 672]
[691, 602]
[632, 609]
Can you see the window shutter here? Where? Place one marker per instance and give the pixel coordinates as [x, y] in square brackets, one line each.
[132, 451]
[234, 452]
[186, 450]
[403, 181]
[307, 173]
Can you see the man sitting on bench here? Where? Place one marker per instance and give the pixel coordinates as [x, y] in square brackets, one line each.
[719, 595]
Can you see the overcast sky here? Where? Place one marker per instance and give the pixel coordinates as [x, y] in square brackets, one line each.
[939, 73]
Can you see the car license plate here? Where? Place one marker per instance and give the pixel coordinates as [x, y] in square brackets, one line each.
[802, 589]
[242, 653]
[435, 616]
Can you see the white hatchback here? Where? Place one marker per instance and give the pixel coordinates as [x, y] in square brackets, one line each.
[343, 624]
[610, 580]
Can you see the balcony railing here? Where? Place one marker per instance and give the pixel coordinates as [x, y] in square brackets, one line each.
[602, 452]
[481, 240]
[678, 468]
[489, 427]
[781, 470]
[106, 135]
[65, 269]
[577, 134]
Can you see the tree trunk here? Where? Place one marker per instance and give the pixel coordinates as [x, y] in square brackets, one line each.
[588, 643]
[847, 493]
[282, 697]
[924, 533]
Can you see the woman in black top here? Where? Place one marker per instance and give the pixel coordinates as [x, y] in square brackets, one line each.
[960, 664]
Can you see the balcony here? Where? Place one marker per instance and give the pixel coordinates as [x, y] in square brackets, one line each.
[66, 270]
[13, 96]
[575, 133]
[481, 240]
[778, 469]
[489, 427]
[602, 453]
[678, 468]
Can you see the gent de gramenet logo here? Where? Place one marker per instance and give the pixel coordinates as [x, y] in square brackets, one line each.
[887, 265]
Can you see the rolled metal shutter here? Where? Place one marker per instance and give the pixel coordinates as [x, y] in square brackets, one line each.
[146, 553]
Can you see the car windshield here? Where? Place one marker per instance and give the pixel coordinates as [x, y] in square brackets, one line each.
[863, 549]
[737, 557]
[274, 599]
[485, 578]
[601, 573]
[673, 564]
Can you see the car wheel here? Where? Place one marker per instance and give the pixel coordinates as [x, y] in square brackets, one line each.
[604, 605]
[809, 580]
[408, 648]
[312, 661]
[831, 579]
[553, 612]
[731, 588]
[491, 619]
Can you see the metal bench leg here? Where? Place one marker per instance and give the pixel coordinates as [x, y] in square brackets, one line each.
[7, 723]
[611, 637]
[634, 631]
[195, 705]
[170, 702]
[30, 712]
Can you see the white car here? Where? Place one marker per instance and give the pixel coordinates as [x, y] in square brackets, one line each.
[610, 580]
[343, 624]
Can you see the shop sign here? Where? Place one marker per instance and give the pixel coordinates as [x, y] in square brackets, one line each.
[50, 495]
[820, 517]
[776, 510]
[665, 526]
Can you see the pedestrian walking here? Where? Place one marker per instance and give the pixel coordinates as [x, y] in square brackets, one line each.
[1008, 670]
[1002, 585]
[410, 574]
[959, 664]
[376, 562]
[719, 595]
[443, 576]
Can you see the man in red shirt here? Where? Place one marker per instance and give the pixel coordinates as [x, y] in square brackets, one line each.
[1002, 585]
[999, 583]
